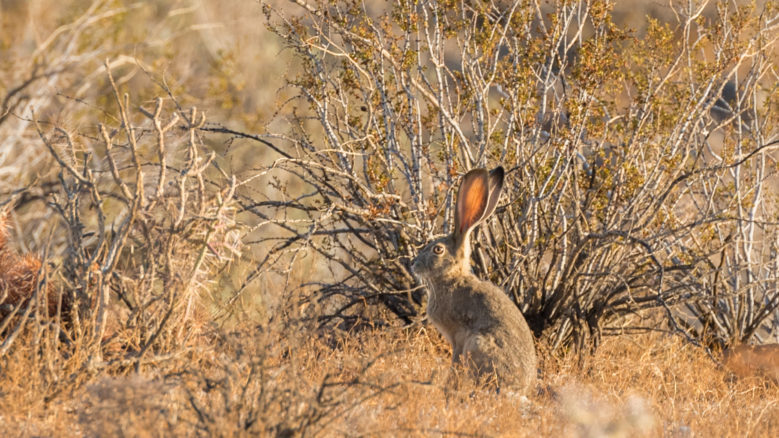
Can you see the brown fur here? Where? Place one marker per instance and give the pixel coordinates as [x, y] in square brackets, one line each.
[483, 326]
[753, 361]
[19, 279]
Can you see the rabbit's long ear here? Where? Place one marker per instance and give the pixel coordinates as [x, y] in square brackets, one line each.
[496, 185]
[472, 200]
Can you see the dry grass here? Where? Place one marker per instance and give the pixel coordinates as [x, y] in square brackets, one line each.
[647, 385]
[391, 383]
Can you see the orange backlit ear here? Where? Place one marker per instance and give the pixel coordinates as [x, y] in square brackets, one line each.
[472, 201]
[496, 185]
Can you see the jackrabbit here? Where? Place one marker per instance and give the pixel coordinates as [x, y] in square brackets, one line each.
[478, 319]
[761, 361]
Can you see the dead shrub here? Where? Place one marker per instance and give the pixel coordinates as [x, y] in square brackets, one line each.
[625, 193]
[146, 227]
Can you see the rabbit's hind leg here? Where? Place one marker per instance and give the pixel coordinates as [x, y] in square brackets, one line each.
[482, 353]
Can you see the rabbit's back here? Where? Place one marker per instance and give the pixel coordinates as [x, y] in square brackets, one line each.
[484, 325]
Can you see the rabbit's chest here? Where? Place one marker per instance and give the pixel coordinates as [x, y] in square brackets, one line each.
[439, 311]
[450, 314]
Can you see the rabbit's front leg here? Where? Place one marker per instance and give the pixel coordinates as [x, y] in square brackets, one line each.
[457, 351]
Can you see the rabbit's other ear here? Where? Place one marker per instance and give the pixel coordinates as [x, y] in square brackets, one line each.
[472, 200]
[496, 185]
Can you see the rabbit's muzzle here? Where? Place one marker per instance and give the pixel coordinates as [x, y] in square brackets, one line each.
[420, 266]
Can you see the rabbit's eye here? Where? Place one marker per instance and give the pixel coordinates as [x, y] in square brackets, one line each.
[438, 250]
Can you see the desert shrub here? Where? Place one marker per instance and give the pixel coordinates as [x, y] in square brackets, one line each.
[639, 166]
[146, 225]
[149, 219]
